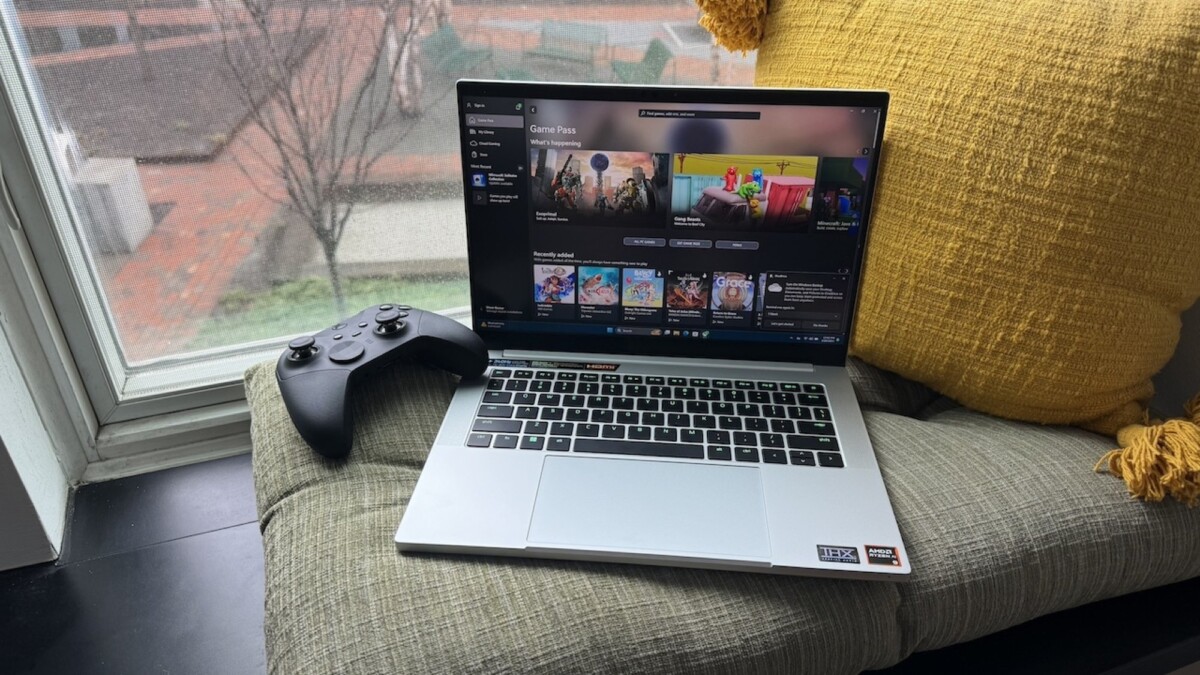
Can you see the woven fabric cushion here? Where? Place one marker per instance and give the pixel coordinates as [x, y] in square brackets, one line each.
[1002, 520]
[1036, 229]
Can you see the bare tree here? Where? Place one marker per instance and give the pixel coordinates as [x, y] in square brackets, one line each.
[333, 86]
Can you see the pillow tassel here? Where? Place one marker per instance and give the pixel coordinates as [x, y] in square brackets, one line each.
[1160, 458]
[736, 24]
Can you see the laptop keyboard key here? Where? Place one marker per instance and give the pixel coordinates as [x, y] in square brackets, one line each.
[759, 396]
[562, 429]
[814, 389]
[527, 412]
[577, 415]
[653, 419]
[677, 381]
[491, 425]
[722, 384]
[479, 440]
[814, 400]
[635, 390]
[767, 386]
[666, 434]
[587, 430]
[633, 379]
[501, 372]
[524, 398]
[734, 395]
[704, 421]
[558, 443]
[679, 420]
[567, 375]
[532, 442]
[495, 411]
[827, 443]
[799, 413]
[505, 441]
[770, 440]
[598, 402]
[646, 448]
[718, 437]
[818, 428]
[802, 458]
[774, 411]
[743, 384]
[540, 386]
[691, 436]
[610, 377]
[697, 407]
[672, 406]
[822, 414]
[574, 401]
[495, 385]
[774, 456]
[537, 428]
[744, 438]
[710, 395]
[603, 416]
[523, 374]
[756, 424]
[627, 417]
[747, 410]
[783, 426]
[623, 403]
[562, 387]
[612, 389]
[647, 404]
[613, 431]
[830, 459]
[783, 398]
[516, 385]
[720, 452]
[552, 413]
[550, 399]
[639, 433]
[746, 454]
[729, 422]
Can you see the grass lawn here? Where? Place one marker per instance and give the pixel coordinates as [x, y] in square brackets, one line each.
[306, 306]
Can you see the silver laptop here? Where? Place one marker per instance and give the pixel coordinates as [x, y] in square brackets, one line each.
[666, 280]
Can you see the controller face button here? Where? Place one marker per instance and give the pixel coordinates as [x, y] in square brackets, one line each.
[356, 333]
[384, 308]
[339, 326]
[346, 352]
[362, 324]
[404, 308]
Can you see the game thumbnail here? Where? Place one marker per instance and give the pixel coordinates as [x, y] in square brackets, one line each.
[554, 284]
[743, 192]
[642, 288]
[839, 196]
[732, 292]
[599, 285]
[687, 290]
[593, 187]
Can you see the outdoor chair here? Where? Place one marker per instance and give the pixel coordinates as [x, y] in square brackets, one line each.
[647, 71]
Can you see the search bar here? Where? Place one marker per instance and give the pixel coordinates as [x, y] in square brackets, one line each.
[700, 114]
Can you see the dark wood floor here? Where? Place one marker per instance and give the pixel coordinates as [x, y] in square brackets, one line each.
[163, 573]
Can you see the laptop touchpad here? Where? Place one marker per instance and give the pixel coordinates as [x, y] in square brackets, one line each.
[650, 506]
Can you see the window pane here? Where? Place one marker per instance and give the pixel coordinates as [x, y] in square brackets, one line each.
[242, 170]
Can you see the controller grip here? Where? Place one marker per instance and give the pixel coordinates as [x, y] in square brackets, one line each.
[452, 346]
[319, 405]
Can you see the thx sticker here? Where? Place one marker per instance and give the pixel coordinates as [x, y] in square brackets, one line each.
[883, 555]
[837, 554]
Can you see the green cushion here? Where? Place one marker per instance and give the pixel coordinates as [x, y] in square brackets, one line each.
[1004, 521]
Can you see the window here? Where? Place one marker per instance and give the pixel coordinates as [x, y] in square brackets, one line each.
[216, 176]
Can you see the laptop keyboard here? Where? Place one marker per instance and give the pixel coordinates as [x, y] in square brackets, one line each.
[693, 418]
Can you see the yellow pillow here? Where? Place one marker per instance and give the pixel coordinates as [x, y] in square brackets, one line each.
[1036, 228]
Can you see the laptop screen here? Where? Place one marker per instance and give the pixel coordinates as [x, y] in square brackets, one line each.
[709, 222]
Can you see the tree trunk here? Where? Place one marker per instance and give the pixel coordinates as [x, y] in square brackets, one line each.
[139, 41]
[335, 278]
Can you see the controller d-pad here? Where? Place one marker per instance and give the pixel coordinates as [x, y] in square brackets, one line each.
[346, 352]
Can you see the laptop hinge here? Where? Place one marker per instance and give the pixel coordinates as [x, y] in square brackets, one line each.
[653, 360]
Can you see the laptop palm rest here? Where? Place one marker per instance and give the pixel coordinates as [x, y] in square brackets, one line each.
[651, 506]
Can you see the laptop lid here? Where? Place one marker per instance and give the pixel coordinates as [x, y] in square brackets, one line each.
[702, 222]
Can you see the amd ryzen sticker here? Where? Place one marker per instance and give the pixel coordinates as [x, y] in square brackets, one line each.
[883, 555]
[837, 554]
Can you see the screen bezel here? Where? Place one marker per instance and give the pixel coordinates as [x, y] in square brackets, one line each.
[816, 354]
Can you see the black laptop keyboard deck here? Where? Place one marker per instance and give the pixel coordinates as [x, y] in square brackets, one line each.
[692, 418]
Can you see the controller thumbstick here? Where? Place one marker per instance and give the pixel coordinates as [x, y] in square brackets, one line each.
[303, 347]
[389, 322]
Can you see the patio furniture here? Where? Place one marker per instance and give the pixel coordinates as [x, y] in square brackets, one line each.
[446, 53]
[567, 41]
[647, 71]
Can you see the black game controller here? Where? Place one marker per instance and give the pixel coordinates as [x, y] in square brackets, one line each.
[316, 373]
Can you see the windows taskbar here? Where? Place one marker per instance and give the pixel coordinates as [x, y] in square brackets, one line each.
[672, 332]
